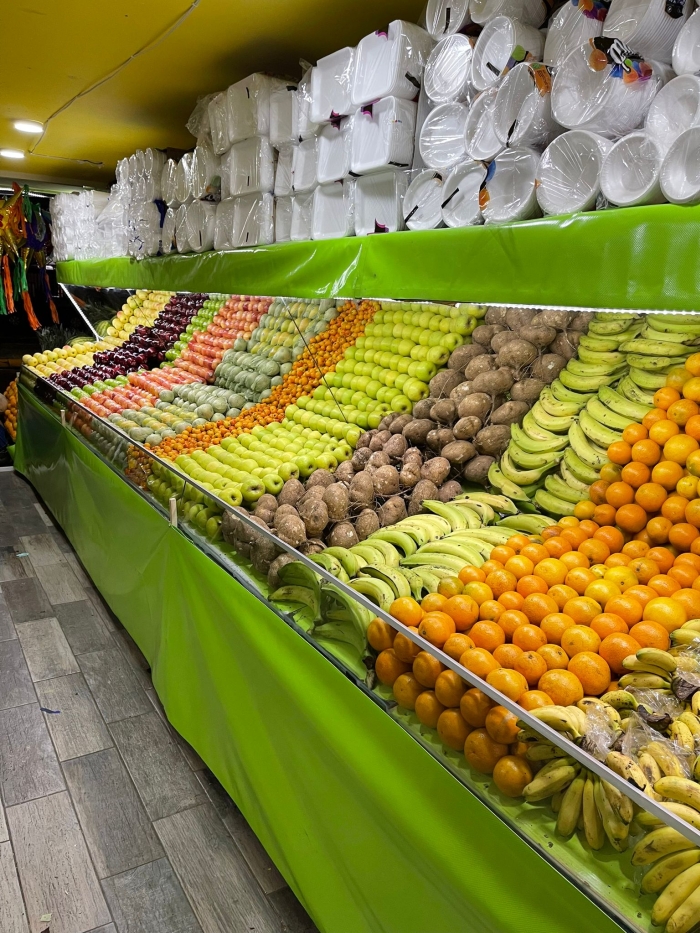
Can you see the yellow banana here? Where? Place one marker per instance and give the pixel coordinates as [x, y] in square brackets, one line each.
[692, 625]
[589, 702]
[592, 820]
[619, 700]
[679, 789]
[689, 814]
[633, 663]
[644, 681]
[680, 733]
[687, 663]
[658, 658]
[555, 802]
[687, 916]
[674, 894]
[627, 769]
[612, 715]
[558, 718]
[570, 809]
[695, 702]
[684, 636]
[621, 805]
[666, 869]
[543, 786]
[616, 831]
[651, 771]
[668, 762]
[543, 751]
[657, 843]
[646, 820]
[578, 716]
[691, 721]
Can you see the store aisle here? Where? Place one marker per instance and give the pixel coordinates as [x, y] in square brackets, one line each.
[109, 821]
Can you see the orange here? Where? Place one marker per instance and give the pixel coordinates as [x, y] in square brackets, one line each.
[574, 536]
[554, 656]
[692, 427]
[634, 549]
[531, 665]
[474, 707]
[692, 513]
[537, 606]
[529, 637]
[437, 627]
[481, 752]
[490, 566]
[658, 529]
[612, 537]
[620, 452]
[634, 474]
[691, 559]
[679, 448]
[561, 593]
[643, 536]
[611, 471]
[578, 579]
[692, 364]
[664, 585]
[691, 389]
[511, 775]
[582, 609]
[406, 610]
[487, 635]
[662, 557]
[646, 451]
[433, 602]
[380, 635]
[622, 576]
[501, 581]
[631, 518]
[568, 521]
[604, 514]
[597, 490]
[633, 433]
[637, 597]
[510, 620]
[502, 725]
[593, 672]
[463, 611]
[615, 648]
[554, 625]
[537, 552]
[584, 509]
[426, 669]
[681, 411]
[450, 586]
[490, 610]
[667, 474]
[651, 417]
[428, 708]
[456, 645]
[535, 699]
[618, 494]
[479, 661]
[595, 550]
[608, 622]
[551, 570]
[643, 569]
[665, 397]
[589, 527]
[506, 655]
[388, 667]
[452, 729]
[689, 599]
[663, 431]
[579, 638]
[531, 584]
[519, 566]
[466, 575]
[449, 688]
[511, 600]
[666, 611]
[479, 592]
[602, 591]
[692, 464]
[508, 681]
[562, 686]
[502, 553]
[674, 509]
[677, 377]
[651, 635]
[407, 690]
[405, 649]
[557, 545]
[650, 496]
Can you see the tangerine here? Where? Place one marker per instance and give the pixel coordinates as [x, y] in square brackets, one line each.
[554, 656]
[510, 620]
[529, 637]
[511, 600]
[619, 494]
[501, 581]
[634, 549]
[638, 596]
[665, 397]
[407, 690]
[584, 509]
[551, 570]
[490, 610]
[612, 537]
[426, 669]
[602, 591]
[593, 672]
[561, 594]
[506, 655]
[537, 552]
[481, 752]
[405, 649]
[479, 592]
[487, 635]
[433, 602]
[633, 433]
[437, 627]
[615, 648]
[604, 515]
[578, 579]
[674, 508]
[468, 574]
[517, 542]
[679, 448]
[562, 686]
[531, 584]
[456, 645]
[689, 599]
[651, 417]
[663, 431]
[595, 550]
[388, 667]
[682, 410]
[519, 566]
[692, 513]
[662, 557]
[620, 452]
[651, 496]
[537, 606]
[380, 635]
[582, 609]
[658, 529]
[651, 635]
[531, 665]
[502, 553]
[643, 569]
[511, 775]
[534, 699]
[474, 707]
[557, 545]
[452, 729]
[631, 518]
[663, 585]
[554, 625]
[666, 611]
[502, 725]
[406, 610]
[667, 473]
[692, 427]
[450, 586]
[449, 688]
[580, 638]
[508, 681]
[463, 611]
[634, 474]
[479, 661]
[607, 623]
[646, 451]
[428, 708]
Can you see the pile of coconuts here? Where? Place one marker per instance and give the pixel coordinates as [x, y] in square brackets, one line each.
[451, 437]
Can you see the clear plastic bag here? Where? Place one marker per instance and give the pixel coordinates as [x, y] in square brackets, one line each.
[571, 25]
[144, 230]
[383, 135]
[639, 736]
[390, 63]
[253, 220]
[523, 107]
[218, 123]
[379, 202]
[680, 182]
[449, 69]
[446, 17]
[305, 126]
[335, 150]
[442, 142]
[331, 86]
[305, 165]
[503, 42]
[251, 167]
[206, 174]
[333, 213]
[223, 226]
[568, 176]
[630, 173]
[283, 172]
[649, 27]
[198, 123]
[530, 12]
[182, 242]
[283, 219]
[460, 205]
[183, 179]
[167, 241]
[168, 183]
[508, 191]
[422, 204]
[284, 115]
[480, 140]
[686, 49]
[200, 221]
[302, 217]
[248, 106]
[674, 109]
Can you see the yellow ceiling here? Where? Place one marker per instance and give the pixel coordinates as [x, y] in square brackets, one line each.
[53, 51]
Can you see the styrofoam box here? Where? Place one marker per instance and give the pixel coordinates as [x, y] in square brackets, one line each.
[253, 220]
[334, 150]
[283, 219]
[283, 172]
[379, 202]
[302, 211]
[284, 115]
[331, 82]
[248, 106]
[252, 167]
[383, 134]
[334, 210]
[390, 63]
[304, 166]
[223, 228]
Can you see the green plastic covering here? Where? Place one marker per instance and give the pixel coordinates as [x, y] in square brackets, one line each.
[371, 832]
[639, 258]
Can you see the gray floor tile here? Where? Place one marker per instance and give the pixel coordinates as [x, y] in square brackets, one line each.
[13, 918]
[165, 783]
[55, 871]
[42, 549]
[101, 608]
[113, 684]
[214, 875]
[117, 829]
[26, 600]
[292, 914]
[59, 583]
[7, 628]
[15, 680]
[253, 851]
[78, 570]
[4, 836]
[28, 764]
[23, 520]
[83, 627]
[13, 567]
[61, 540]
[110, 928]
[149, 899]
[45, 647]
[191, 756]
[43, 515]
[134, 656]
[73, 720]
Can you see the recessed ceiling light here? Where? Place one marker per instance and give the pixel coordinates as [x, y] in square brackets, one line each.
[28, 126]
[11, 153]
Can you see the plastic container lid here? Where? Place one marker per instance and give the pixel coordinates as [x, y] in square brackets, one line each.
[630, 173]
[253, 220]
[460, 206]
[646, 26]
[494, 47]
[446, 17]
[508, 192]
[422, 204]
[568, 176]
[390, 63]
[448, 71]
[442, 136]
[378, 202]
[570, 26]
[680, 172]
[248, 106]
[331, 86]
[480, 140]
[333, 213]
[522, 113]
[686, 50]
[383, 135]
[251, 167]
[674, 109]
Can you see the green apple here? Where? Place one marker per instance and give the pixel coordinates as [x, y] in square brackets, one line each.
[416, 390]
[352, 436]
[404, 348]
[306, 465]
[252, 489]
[451, 341]
[438, 356]
[213, 527]
[390, 377]
[374, 419]
[273, 483]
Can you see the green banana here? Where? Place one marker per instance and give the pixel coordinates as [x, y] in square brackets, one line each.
[674, 323]
[620, 699]
[529, 524]
[553, 423]
[376, 590]
[654, 348]
[571, 806]
[455, 564]
[580, 470]
[476, 513]
[559, 488]
[543, 461]
[532, 446]
[391, 576]
[415, 581]
[389, 553]
[599, 344]
[564, 394]
[537, 432]
[622, 405]
[600, 357]
[351, 563]
[523, 477]
[606, 416]
[646, 379]
[553, 504]
[687, 338]
[467, 554]
[499, 503]
[633, 393]
[331, 564]
[449, 512]
[508, 487]
[398, 539]
[576, 368]
[597, 432]
[572, 480]
[588, 384]
[297, 574]
[296, 594]
[493, 535]
[554, 407]
[431, 582]
[591, 454]
[606, 325]
[367, 553]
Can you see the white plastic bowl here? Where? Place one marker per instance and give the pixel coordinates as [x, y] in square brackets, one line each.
[630, 173]
[523, 110]
[686, 49]
[645, 26]
[495, 45]
[448, 71]
[446, 17]
[568, 176]
[480, 140]
[422, 205]
[508, 192]
[531, 12]
[442, 136]
[674, 109]
[568, 28]
[680, 172]
[460, 207]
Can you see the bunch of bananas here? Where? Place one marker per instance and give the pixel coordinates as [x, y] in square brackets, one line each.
[686, 634]
[665, 341]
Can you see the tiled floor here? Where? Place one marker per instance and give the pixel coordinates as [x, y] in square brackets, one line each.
[109, 821]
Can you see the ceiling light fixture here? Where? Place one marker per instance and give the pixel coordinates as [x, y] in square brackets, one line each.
[11, 153]
[28, 126]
